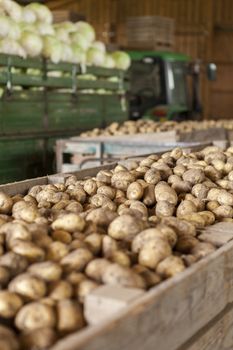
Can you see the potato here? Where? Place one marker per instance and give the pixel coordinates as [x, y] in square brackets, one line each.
[104, 176]
[69, 222]
[60, 205]
[4, 276]
[100, 200]
[200, 204]
[212, 173]
[8, 339]
[84, 288]
[151, 278]
[115, 274]
[122, 179]
[185, 244]
[25, 211]
[10, 303]
[96, 268]
[107, 191]
[163, 169]
[61, 236]
[109, 245]
[176, 153]
[77, 260]
[223, 211]
[101, 217]
[125, 227]
[94, 242]
[90, 187]
[139, 207]
[75, 277]
[163, 192]
[29, 287]
[13, 231]
[153, 252]
[168, 233]
[185, 207]
[70, 180]
[70, 316]
[213, 194]
[6, 203]
[149, 195]
[59, 290]
[208, 217]
[49, 271]
[56, 251]
[179, 170]
[170, 266]
[14, 263]
[225, 198]
[77, 192]
[200, 191]
[74, 207]
[212, 205]
[195, 218]
[38, 339]
[121, 258]
[28, 250]
[146, 162]
[152, 176]
[181, 186]
[135, 191]
[35, 315]
[202, 249]
[148, 235]
[194, 176]
[164, 208]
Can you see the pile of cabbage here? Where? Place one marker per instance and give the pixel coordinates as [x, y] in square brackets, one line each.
[29, 31]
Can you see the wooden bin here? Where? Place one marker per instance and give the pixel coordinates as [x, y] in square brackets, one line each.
[150, 32]
[192, 311]
[66, 15]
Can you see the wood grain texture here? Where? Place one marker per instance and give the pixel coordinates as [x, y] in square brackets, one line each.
[168, 315]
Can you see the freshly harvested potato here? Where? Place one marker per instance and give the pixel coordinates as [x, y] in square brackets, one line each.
[100, 200]
[74, 207]
[195, 218]
[164, 208]
[69, 222]
[163, 192]
[69, 316]
[150, 277]
[8, 339]
[77, 192]
[194, 176]
[212, 205]
[75, 277]
[152, 176]
[109, 245]
[6, 203]
[107, 191]
[185, 207]
[122, 179]
[149, 195]
[182, 186]
[4, 276]
[125, 227]
[186, 243]
[25, 211]
[90, 187]
[181, 227]
[13, 231]
[77, 259]
[200, 204]
[28, 250]
[14, 263]
[29, 287]
[94, 242]
[59, 290]
[56, 251]
[35, 315]
[164, 170]
[38, 339]
[170, 266]
[115, 274]
[208, 217]
[138, 206]
[153, 252]
[48, 271]
[135, 191]
[223, 211]
[61, 236]
[121, 258]
[10, 303]
[179, 169]
[84, 288]
[96, 268]
[200, 191]
[101, 217]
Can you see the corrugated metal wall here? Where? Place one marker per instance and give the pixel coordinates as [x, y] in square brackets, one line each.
[204, 30]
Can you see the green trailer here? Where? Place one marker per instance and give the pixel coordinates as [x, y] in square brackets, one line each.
[41, 101]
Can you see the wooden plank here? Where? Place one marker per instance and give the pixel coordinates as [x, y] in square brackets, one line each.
[218, 335]
[179, 307]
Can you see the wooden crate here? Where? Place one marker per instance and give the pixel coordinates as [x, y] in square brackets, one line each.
[192, 311]
[150, 32]
[66, 15]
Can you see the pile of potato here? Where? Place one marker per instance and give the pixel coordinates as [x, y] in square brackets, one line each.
[143, 126]
[134, 226]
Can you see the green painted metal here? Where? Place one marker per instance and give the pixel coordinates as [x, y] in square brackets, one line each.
[167, 56]
[48, 107]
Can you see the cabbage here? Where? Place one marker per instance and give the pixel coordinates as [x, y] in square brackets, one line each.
[28, 15]
[15, 31]
[32, 43]
[12, 47]
[45, 29]
[78, 55]
[42, 12]
[52, 48]
[67, 26]
[28, 27]
[13, 9]
[95, 57]
[99, 45]
[67, 54]
[86, 30]
[122, 59]
[4, 26]
[79, 39]
[109, 61]
[62, 35]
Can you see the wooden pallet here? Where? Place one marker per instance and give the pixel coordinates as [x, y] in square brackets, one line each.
[192, 311]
